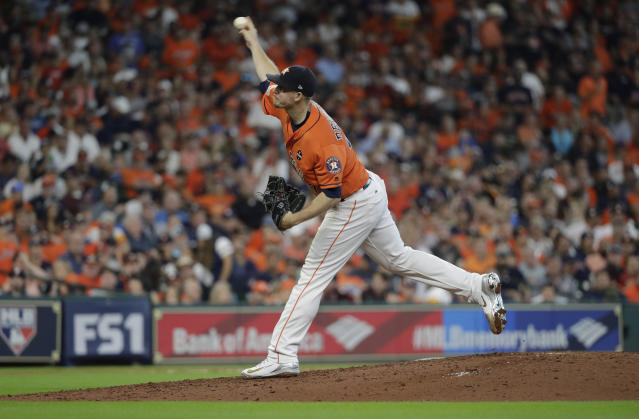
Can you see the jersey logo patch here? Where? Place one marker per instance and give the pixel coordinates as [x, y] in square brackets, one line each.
[333, 165]
[299, 154]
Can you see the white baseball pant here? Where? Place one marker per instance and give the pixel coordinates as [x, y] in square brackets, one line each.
[361, 220]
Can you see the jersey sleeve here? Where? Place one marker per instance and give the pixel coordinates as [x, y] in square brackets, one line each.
[267, 104]
[329, 167]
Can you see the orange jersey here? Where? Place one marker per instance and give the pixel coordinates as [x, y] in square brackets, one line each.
[318, 150]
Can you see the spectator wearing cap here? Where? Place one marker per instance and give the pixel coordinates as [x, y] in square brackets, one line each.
[490, 34]
[21, 182]
[14, 201]
[260, 291]
[46, 198]
[15, 285]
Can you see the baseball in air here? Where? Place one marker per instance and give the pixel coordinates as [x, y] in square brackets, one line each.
[240, 23]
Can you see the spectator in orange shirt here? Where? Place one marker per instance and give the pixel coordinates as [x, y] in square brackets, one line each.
[140, 176]
[448, 137]
[631, 280]
[8, 247]
[529, 133]
[180, 51]
[490, 34]
[442, 12]
[479, 255]
[593, 91]
[557, 104]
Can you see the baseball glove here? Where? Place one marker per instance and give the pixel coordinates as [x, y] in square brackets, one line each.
[295, 197]
[280, 198]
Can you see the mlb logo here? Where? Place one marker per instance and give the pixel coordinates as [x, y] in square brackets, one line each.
[18, 327]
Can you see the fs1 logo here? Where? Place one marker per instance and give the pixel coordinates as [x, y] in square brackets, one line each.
[107, 331]
[18, 327]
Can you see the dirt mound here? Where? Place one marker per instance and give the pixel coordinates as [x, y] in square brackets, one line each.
[512, 377]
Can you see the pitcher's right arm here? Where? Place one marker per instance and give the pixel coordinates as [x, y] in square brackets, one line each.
[263, 64]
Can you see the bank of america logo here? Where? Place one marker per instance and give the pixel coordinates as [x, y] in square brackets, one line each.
[588, 331]
[349, 331]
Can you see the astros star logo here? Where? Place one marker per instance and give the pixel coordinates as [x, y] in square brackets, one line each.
[333, 165]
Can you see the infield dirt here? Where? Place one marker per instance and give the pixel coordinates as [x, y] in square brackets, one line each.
[542, 376]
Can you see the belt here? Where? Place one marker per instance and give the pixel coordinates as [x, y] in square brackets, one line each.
[366, 185]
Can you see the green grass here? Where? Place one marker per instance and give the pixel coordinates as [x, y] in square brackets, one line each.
[159, 410]
[19, 380]
[24, 380]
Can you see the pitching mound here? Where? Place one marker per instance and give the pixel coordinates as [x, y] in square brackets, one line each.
[512, 377]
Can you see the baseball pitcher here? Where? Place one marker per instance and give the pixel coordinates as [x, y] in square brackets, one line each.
[356, 211]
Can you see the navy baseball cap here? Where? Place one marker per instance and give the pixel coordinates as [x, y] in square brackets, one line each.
[297, 78]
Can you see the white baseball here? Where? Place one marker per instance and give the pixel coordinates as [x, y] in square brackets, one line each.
[240, 23]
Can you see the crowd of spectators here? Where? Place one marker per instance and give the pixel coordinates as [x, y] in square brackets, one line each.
[132, 143]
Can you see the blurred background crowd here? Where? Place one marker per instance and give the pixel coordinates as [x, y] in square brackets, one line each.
[132, 143]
